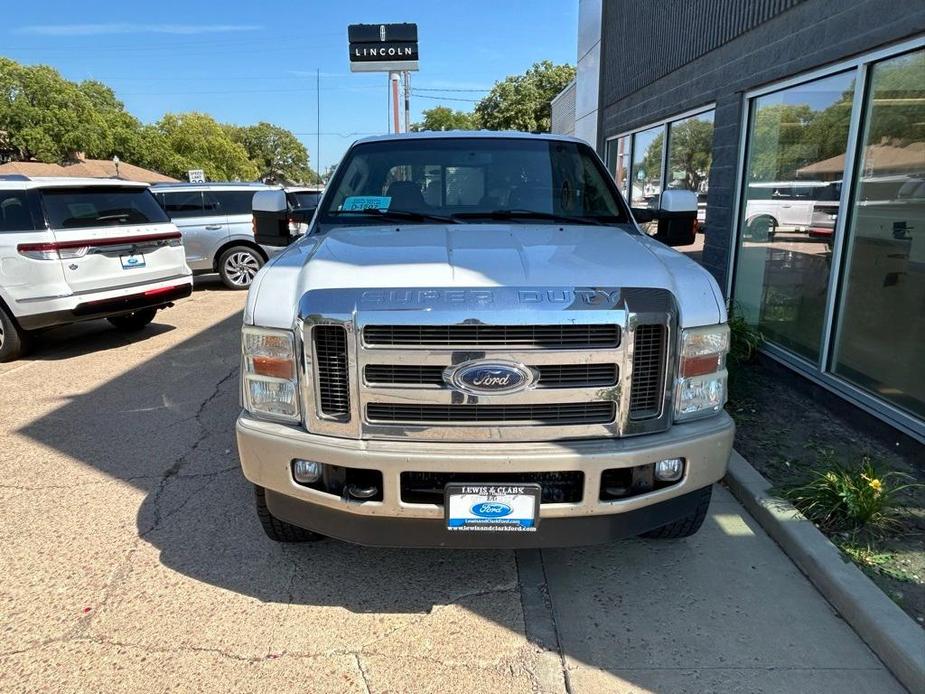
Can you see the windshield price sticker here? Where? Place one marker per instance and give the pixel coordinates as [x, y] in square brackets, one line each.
[355, 203]
[492, 507]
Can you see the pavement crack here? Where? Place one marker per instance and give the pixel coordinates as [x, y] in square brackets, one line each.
[547, 595]
[363, 673]
[182, 461]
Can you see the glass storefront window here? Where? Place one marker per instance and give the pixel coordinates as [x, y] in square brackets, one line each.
[646, 172]
[618, 161]
[795, 160]
[880, 331]
[690, 154]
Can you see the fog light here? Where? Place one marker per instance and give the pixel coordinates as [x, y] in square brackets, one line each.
[669, 470]
[306, 471]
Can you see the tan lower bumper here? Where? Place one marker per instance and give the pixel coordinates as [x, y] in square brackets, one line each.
[266, 450]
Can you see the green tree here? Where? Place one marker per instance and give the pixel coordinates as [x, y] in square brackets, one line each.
[120, 129]
[690, 153]
[197, 141]
[523, 102]
[278, 154]
[47, 117]
[445, 118]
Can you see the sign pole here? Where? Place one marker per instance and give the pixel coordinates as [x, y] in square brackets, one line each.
[407, 80]
[396, 122]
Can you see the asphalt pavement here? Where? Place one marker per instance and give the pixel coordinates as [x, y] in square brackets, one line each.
[132, 561]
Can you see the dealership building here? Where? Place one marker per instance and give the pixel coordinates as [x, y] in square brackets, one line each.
[800, 124]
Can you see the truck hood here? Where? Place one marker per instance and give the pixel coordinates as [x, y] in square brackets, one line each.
[477, 256]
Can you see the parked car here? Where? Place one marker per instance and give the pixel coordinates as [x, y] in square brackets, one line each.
[784, 206]
[476, 346]
[217, 226]
[74, 249]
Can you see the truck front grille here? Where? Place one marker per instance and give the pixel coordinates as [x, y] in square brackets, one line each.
[647, 389]
[564, 413]
[428, 487]
[550, 376]
[332, 364]
[377, 367]
[568, 336]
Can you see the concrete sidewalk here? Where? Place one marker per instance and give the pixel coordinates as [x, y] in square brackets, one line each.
[133, 561]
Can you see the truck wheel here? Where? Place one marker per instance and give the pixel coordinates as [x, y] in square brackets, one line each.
[687, 526]
[136, 320]
[14, 341]
[277, 530]
[238, 266]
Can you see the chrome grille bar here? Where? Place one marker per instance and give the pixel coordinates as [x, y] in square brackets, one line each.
[567, 336]
[550, 375]
[558, 414]
[580, 343]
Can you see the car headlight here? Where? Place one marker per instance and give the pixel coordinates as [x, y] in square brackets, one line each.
[700, 390]
[271, 380]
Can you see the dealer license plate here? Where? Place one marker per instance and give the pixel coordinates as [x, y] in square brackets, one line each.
[130, 262]
[492, 507]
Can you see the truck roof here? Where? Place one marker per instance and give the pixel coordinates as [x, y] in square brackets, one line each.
[20, 182]
[477, 134]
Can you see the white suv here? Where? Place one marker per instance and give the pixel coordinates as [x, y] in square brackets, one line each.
[75, 249]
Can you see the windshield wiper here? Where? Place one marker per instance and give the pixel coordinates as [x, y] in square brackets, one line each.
[121, 216]
[398, 214]
[529, 214]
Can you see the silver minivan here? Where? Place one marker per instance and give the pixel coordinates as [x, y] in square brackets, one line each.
[216, 222]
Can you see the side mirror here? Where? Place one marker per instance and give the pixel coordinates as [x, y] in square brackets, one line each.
[677, 218]
[271, 218]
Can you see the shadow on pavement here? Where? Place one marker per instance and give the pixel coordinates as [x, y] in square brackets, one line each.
[166, 428]
[69, 341]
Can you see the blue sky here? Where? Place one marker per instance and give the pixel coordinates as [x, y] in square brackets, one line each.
[243, 62]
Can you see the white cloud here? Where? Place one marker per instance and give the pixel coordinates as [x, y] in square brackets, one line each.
[126, 28]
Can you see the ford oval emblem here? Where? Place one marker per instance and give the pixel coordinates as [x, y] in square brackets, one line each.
[490, 377]
[491, 509]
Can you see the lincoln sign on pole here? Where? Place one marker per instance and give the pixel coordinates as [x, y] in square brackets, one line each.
[383, 47]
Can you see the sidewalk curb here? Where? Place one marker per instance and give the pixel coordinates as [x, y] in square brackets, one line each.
[888, 631]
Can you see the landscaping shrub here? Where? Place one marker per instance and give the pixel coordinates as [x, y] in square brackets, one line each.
[861, 498]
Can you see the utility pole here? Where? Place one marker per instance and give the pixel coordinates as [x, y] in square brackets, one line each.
[318, 122]
[407, 80]
[396, 121]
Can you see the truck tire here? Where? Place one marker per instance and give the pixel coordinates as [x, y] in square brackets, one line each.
[277, 530]
[687, 526]
[14, 341]
[136, 320]
[238, 266]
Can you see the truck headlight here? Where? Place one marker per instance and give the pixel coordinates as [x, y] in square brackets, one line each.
[271, 381]
[701, 386]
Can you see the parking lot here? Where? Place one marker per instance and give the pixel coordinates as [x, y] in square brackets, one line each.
[133, 561]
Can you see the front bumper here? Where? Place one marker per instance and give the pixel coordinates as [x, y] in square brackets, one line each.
[266, 450]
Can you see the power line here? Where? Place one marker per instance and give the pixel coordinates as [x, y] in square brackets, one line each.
[443, 98]
[301, 90]
[436, 89]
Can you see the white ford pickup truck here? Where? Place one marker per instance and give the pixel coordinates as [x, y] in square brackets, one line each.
[475, 346]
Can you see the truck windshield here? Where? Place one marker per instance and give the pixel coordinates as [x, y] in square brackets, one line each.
[472, 180]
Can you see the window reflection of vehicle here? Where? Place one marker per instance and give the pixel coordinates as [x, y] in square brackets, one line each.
[785, 205]
[889, 205]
